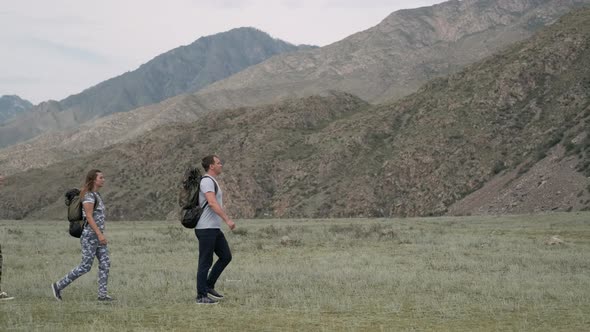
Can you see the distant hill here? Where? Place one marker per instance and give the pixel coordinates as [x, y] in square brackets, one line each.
[11, 106]
[524, 109]
[185, 69]
[381, 64]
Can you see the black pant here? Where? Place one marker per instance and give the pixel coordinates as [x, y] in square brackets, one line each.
[211, 240]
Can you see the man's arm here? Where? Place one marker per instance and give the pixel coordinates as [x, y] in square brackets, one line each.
[212, 201]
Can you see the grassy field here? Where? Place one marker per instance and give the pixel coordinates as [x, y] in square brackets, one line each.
[440, 274]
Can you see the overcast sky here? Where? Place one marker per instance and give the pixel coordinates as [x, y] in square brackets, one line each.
[52, 49]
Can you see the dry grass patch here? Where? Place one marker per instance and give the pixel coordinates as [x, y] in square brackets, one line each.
[440, 274]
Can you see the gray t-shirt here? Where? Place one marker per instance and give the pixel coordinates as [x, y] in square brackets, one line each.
[99, 211]
[209, 219]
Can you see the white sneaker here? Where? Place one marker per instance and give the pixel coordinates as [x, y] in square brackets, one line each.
[5, 297]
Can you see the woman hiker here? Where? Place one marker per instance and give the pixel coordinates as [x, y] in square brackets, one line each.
[93, 240]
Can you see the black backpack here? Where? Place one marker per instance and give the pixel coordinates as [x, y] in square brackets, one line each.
[188, 197]
[74, 203]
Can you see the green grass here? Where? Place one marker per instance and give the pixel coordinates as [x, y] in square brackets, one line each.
[440, 274]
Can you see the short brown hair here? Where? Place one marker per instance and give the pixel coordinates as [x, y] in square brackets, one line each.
[208, 161]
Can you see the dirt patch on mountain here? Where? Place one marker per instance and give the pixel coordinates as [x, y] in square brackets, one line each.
[552, 184]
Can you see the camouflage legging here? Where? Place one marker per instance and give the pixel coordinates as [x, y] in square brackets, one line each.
[90, 249]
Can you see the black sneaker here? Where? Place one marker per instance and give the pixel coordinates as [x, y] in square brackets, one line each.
[56, 292]
[205, 300]
[214, 294]
[106, 298]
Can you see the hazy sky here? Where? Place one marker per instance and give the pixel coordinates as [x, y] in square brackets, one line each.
[52, 49]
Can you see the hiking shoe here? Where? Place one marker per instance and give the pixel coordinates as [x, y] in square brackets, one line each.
[214, 294]
[56, 291]
[106, 298]
[205, 300]
[5, 297]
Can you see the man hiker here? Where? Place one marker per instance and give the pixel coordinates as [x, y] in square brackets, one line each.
[209, 234]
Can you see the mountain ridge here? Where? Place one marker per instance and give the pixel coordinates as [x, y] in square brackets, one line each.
[184, 69]
[336, 155]
[13, 105]
[458, 23]
[365, 64]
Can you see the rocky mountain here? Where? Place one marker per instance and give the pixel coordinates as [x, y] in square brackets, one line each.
[508, 125]
[397, 56]
[11, 106]
[185, 69]
[380, 64]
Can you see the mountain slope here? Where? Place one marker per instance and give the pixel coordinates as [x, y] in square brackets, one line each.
[335, 155]
[385, 62]
[397, 56]
[185, 69]
[144, 172]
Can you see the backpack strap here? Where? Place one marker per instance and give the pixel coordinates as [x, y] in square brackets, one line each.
[214, 184]
[96, 197]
